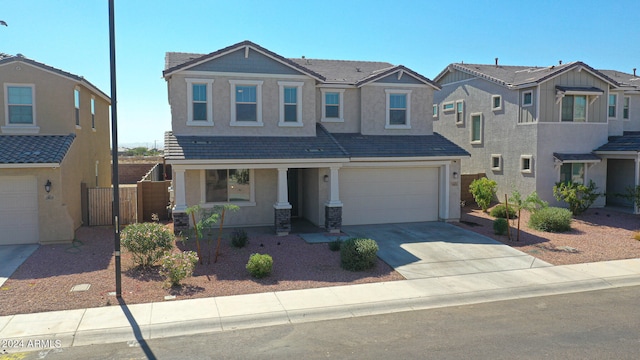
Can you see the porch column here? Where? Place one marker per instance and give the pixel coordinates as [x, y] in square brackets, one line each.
[333, 207]
[637, 208]
[282, 208]
[180, 217]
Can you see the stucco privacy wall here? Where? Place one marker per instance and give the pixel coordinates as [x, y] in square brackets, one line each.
[573, 138]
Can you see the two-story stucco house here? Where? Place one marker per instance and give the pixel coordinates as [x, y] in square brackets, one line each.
[528, 128]
[333, 142]
[54, 136]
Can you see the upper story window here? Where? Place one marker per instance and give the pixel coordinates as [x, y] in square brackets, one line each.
[76, 100]
[574, 108]
[496, 102]
[435, 110]
[448, 106]
[613, 99]
[526, 164]
[246, 103]
[19, 105]
[476, 128]
[228, 185]
[398, 115]
[332, 105]
[527, 98]
[625, 108]
[93, 112]
[496, 162]
[572, 172]
[459, 111]
[290, 103]
[200, 102]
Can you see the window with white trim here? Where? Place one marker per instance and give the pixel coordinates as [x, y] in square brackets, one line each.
[476, 128]
[290, 103]
[625, 108]
[76, 100]
[574, 108]
[332, 105]
[527, 98]
[435, 110]
[613, 99]
[572, 173]
[398, 114]
[496, 162]
[200, 102]
[93, 112]
[228, 185]
[19, 105]
[526, 163]
[246, 102]
[460, 112]
[448, 106]
[496, 102]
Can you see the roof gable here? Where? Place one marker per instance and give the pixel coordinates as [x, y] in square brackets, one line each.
[400, 72]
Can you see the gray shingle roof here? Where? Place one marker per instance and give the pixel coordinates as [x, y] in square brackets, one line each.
[622, 78]
[519, 75]
[358, 145]
[323, 145]
[629, 141]
[34, 149]
[577, 157]
[343, 71]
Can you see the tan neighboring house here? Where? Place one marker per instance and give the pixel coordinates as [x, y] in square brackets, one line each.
[334, 142]
[54, 136]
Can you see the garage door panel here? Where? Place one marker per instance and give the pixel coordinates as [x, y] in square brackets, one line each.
[387, 195]
[18, 210]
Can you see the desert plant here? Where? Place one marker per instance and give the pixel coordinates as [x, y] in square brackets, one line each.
[636, 236]
[632, 194]
[500, 211]
[204, 226]
[483, 191]
[500, 226]
[551, 219]
[239, 238]
[579, 197]
[146, 242]
[177, 267]
[357, 254]
[260, 265]
[335, 245]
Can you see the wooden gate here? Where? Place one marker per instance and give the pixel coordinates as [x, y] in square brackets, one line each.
[100, 205]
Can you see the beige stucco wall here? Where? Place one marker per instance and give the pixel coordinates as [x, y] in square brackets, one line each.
[60, 212]
[374, 110]
[221, 95]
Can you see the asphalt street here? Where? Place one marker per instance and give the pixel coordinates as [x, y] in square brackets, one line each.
[602, 324]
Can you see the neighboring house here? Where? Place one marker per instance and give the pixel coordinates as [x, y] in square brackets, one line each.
[54, 136]
[528, 128]
[334, 142]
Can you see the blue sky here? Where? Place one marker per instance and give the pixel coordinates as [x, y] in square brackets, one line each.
[423, 35]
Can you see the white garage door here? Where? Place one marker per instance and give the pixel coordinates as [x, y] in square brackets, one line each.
[18, 210]
[388, 195]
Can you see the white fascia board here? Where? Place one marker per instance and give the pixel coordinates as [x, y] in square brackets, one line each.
[398, 85]
[336, 86]
[404, 160]
[207, 74]
[256, 163]
[614, 154]
[29, 166]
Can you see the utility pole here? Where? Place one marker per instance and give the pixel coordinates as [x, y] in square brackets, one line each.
[114, 151]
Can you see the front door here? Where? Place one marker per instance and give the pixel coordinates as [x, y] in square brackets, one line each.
[292, 189]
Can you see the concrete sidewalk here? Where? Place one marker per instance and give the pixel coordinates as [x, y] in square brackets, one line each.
[136, 323]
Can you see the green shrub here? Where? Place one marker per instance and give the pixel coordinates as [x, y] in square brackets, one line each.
[146, 242]
[335, 245]
[500, 226]
[357, 254]
[551, 219]
[260, 265]
[579, 197]
[239, 238]
[483, 191]
[500, 211]
[177, 267]
[636, 236]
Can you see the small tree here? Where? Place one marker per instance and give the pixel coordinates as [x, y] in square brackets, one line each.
[579, 197]
[532, 204]
[207, 219]
[632, 194]
[483, 191]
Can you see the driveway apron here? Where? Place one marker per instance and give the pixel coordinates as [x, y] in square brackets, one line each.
[435, 249]
[11, 257]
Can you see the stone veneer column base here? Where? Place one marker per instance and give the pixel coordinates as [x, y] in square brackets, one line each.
[282, 221]
[180, 223]
[333, 218]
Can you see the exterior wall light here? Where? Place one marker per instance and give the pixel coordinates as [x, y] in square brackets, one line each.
[325, 178]
[47, 186]
[455, 174]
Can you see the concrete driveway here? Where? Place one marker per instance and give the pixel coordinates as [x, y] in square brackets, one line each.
[435, 249]
[11, 257]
